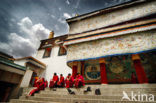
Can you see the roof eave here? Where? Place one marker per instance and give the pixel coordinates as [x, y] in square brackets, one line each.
[87, 15]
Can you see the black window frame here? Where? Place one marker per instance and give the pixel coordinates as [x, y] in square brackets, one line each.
[45, 50]
[59, 53]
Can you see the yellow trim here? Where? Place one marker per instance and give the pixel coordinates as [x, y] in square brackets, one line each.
[102, 60]
[135, 57]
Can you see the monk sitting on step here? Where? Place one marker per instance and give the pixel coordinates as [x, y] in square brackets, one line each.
[61, 81]
[35, 84]
[79, 81]
[53, 82]
[46, 83]
[69, 81]
[40, 86]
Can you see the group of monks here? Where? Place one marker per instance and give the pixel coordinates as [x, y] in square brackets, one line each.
[69, 82]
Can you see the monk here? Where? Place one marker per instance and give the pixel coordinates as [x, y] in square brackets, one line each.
[35, 84]
[46, 84]
[53, 82]
[40, 86]
[61, 81]
[79, 81]
[69, 81]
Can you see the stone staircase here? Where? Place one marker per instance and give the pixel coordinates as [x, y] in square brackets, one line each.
[109, 94]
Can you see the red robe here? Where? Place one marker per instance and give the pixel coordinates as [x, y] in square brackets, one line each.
[40, 86]
[69, 81]
[35, 84]
[46, 84]
[61, 82]
[79, 81]
[54, 81]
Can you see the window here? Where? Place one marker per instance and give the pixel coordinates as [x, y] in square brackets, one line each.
[62, 51]
[47, 52]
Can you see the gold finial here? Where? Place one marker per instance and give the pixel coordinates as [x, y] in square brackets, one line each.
[76, 14]
[51, 35]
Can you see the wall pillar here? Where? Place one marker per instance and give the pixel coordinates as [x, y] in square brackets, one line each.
[82, 68]
[74, 69]
[141, 75]
[26, 79]
[103, 71]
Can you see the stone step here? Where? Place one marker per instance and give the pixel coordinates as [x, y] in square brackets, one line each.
[126, 87]
[29, 101]
[88, 96]
[77, 97]
[113, 93]
[82, 100]
[105, 89]
[58, 99]
[123, 86]
[145, 86]
[109, 94]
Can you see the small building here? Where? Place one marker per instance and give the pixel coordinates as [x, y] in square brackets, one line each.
[34, 68]
[11, 75]
[16, 74]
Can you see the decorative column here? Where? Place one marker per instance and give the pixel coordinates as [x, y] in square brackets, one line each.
[82, 68]
[141, 75]
[74, 69]
[103, 71]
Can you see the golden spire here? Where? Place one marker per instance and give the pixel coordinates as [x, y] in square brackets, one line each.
[76, 14]
[51, 35]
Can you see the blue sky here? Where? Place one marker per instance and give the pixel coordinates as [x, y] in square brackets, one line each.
[25, 22]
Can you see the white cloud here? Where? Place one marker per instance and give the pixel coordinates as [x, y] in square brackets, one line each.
[67, 1]
[77, 4]
[60, 8]
[66, 15]
[56, 27]
[53, 16]
[19, 46]
[61, 21]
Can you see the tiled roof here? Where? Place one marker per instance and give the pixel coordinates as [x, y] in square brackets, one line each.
[11, 63]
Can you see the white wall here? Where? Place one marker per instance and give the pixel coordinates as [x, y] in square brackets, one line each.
[114, 17]
[54, 63]
[20, 62]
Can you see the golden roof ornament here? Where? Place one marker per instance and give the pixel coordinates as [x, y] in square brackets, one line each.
[51, 35]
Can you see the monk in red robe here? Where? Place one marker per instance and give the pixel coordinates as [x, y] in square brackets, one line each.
[40, 86]
[35, 84]
[69, 81]
[61, 81]
[79, 81]
[53, 82]
[46, 83]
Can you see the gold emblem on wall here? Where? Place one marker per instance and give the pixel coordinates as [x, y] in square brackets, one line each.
[116, 66]
[92, 72]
